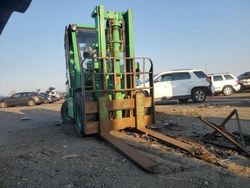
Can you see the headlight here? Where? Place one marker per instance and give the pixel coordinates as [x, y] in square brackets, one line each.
[73, 27]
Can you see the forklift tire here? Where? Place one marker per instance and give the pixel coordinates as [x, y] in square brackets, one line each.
[64, 114]
[79, 126]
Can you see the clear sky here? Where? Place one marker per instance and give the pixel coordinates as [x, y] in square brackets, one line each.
[205, 34]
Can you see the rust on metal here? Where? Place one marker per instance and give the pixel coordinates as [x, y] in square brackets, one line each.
[169, 140]
[120, 104]
[92, 128]
[139, 121]
[91, 107]
[221, 129]
[105, 133]
[138, 111]
[135, 156]
[140, 125]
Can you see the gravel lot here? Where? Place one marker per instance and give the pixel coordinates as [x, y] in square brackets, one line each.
[36, 150]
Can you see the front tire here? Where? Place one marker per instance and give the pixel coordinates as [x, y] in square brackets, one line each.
[227, 90]
[64, 114]
[79, 125]
[198, 95]
[3, 105]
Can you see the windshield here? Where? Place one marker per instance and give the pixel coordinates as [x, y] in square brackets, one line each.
[86, 39]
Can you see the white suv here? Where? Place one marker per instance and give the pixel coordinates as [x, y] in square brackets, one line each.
[225, 83]
[181, 84]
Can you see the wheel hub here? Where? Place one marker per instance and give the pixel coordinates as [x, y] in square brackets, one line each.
[199, 95]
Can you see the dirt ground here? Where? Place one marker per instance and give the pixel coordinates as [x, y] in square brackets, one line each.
[37, 150]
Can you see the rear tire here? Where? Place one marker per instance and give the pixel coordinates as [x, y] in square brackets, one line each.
[31, 103]
[227, 90]
[64, 114]
[3, 105]
[198, 95]
[79, 125]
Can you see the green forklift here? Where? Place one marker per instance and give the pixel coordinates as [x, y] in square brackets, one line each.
[102, 75]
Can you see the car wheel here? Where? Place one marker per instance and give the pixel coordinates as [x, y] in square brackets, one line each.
[227, 90]
[31, 103]
[198, 95]
[183, 100]
[3, 105]
[64, 114]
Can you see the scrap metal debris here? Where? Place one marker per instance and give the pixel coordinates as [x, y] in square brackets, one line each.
[229, 136]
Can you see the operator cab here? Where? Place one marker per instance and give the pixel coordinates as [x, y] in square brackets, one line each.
[86, 39]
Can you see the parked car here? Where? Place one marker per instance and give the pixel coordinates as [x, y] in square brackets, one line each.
[181, 84]
[244, 81]
[46, 97]
[53, 94]
[22, 98]
[225, 83]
